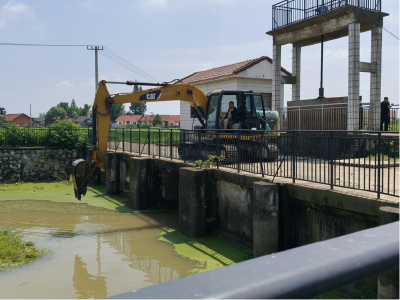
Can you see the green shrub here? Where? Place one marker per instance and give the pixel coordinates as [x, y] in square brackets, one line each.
[66, 134]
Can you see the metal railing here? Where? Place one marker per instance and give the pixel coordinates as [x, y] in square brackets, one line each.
[291, 11]
[367, 161]
[329, 117]
[300, 273]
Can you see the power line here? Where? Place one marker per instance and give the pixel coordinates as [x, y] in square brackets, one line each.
[130, 67]
[112, 56]
[377, 23]
[40, 45]
[124, 65]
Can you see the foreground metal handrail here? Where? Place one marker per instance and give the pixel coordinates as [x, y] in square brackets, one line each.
[302, 272]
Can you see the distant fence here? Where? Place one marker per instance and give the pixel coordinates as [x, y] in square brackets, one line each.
[291, 11]
[329, 117]
[366, 161]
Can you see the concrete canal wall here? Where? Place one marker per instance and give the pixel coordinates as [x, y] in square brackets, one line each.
[36, 164]
[267, 217]
[249, 210]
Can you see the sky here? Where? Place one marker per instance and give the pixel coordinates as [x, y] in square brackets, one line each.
[167, 39]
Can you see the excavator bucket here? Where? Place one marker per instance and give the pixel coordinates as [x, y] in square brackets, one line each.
[82, 172]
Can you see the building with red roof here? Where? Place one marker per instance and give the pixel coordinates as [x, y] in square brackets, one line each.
[173, 121]
[19, 119]
[128, 119]
[254, 74]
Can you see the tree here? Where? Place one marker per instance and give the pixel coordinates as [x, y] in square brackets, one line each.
[138, 108]
[3, 120]
[157, 120]
[55, 112]
[73, 110]
[117, 110]
[2, 110]
[83, 111]
[64, 105]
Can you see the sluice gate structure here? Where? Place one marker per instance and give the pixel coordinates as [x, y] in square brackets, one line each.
[308, 22]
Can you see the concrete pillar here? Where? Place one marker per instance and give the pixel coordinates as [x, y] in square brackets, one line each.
[265, 218]
[192, 201]
[375, 89]
[388, 281]
[276, 78]
[111, 173]
[296, 59]
[354, 78]
[139, 182]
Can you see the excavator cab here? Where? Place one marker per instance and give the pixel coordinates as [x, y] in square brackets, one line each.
[250, 114]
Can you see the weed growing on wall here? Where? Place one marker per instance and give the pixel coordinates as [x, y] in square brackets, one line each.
[210, 163]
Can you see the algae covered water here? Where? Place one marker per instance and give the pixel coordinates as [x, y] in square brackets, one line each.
[97, 250]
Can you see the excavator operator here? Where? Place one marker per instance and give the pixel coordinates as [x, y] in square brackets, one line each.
[231, 117]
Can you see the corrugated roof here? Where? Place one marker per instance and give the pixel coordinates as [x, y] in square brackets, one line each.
[125, 118]
[228, 70]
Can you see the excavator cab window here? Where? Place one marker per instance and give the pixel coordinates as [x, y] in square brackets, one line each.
[212, 109]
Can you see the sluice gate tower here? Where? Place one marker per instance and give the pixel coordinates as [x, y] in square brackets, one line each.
[309, 22]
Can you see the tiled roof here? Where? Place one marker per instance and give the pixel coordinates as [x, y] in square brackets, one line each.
[174, 118]
[150, 118]
[228, 70]
[11, 117]
[124, 118]
[81, 119]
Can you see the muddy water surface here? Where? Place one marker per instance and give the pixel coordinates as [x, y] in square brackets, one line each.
[95, 252]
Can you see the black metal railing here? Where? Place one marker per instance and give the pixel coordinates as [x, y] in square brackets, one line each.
[367, 161]
[300, 273]
[291, 11]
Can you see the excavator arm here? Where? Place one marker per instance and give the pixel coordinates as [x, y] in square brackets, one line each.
[82, 170]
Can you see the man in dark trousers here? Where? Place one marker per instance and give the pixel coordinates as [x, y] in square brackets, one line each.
[230, 117]
[385, 113]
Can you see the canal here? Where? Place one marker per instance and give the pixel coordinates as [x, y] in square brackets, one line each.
[96, 251]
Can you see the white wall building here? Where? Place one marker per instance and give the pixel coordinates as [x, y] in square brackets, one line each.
[254, 74]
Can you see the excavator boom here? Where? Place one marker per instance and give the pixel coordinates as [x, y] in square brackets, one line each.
[83, 171]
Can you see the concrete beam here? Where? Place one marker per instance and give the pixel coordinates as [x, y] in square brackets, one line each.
[288, 80]
[265, 218]
[315, 30]
[367, 67]
[192, 201]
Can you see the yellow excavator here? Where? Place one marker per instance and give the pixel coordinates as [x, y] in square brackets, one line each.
[210, 110]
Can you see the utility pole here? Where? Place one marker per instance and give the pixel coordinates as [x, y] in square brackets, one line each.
[96, 79]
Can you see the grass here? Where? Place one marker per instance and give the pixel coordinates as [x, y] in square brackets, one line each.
[15, 252]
